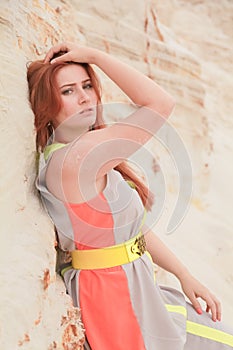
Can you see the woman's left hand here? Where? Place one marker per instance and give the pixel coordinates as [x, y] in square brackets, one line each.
[71, 52]
[193, 289]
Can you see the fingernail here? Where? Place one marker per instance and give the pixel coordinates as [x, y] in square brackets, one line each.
[199, 311]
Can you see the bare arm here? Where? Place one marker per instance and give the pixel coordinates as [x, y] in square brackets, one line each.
[99, 151]
[139, 88]
[166, 259]
[163, 256]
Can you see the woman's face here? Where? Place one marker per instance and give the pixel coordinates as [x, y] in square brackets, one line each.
[78, 97]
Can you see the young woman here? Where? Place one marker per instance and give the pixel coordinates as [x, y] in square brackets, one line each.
[97, 204]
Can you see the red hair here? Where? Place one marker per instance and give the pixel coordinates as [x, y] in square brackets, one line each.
[45, 102]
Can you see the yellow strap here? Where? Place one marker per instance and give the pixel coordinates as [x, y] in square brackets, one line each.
[202, 330]
[179, 309]
[51, 148]
[209, 333]
[110, 256]
[116, 255]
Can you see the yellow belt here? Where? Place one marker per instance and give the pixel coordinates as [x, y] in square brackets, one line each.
[110, 256]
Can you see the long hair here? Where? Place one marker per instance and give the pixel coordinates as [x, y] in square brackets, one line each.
[45, 102]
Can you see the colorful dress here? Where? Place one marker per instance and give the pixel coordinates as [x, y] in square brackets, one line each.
[122, 307]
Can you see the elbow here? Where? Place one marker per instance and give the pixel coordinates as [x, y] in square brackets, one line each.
[165, 107]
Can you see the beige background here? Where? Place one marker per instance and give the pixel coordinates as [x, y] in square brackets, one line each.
[186, 46]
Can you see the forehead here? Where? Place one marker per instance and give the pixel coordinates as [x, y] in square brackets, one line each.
[74, 73]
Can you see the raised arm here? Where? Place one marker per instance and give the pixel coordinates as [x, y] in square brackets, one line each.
[139, 88]
[101, 150]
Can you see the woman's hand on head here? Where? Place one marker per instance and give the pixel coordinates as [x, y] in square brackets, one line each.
[72, 53]
[194, 290]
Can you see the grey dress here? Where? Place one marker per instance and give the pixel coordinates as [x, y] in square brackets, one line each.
[123, 307]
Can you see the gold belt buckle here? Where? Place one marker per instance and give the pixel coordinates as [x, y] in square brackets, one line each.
[137, 248]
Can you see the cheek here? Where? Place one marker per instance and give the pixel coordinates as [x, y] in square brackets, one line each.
[93, 95]
[94, 100]
[68, 105]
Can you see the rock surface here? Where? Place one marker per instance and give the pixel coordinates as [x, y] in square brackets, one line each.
[186, 46]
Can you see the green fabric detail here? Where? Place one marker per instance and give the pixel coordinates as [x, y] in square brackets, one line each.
[131, 184]
[63, 271]
[51, 148]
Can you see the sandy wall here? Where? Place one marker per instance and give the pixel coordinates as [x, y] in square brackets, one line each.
[184, 45]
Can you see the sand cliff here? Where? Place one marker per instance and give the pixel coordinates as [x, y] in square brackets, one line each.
[184, 46]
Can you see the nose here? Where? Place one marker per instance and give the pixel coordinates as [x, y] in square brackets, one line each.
[83, 97]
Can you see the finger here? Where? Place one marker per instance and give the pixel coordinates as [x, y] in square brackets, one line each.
[211, 306]
[214, 306]
[218, 309]
[55, 49]
[66, 57]
[196, 304]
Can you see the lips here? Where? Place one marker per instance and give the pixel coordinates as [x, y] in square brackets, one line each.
[87, 111]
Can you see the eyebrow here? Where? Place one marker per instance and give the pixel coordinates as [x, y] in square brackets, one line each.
[72, 84]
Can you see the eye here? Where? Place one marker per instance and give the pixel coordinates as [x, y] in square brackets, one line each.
[87, 86]
[67, 91]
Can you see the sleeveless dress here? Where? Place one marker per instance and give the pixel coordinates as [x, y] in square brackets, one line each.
[122, 307]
